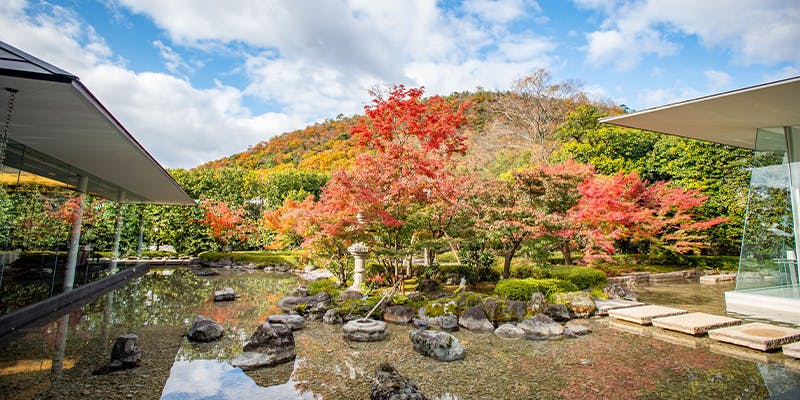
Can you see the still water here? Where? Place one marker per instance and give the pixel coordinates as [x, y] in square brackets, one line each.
[617, 360]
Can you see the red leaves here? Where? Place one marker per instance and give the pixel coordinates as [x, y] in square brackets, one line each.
[224, 223]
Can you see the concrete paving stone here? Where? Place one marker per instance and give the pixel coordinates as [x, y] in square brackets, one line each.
[756, 335]
[792, 349]
[741, 353]
[714, 279]
[604, 305]
[695, 323]
[643, 315]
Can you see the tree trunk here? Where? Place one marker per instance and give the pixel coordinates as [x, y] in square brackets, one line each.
[454, 249]
[426, 254]
[566, 251]
[507, 263]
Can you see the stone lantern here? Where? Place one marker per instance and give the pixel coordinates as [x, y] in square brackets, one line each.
[359, 251]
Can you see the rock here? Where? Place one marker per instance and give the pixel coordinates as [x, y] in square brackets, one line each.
[250, 266]
[501, 310]
[447, 322]
[206, 272]
[350, 294]
[509, 331]
[300, 291]
[309, 268]
[468, 299]
[616, 291]
[541, 327]
[558, 312]
[538, 303]
[579, 304]
[420, 323]
[428, 286]
[317, 304]
[438, 345]
[317, 275]
[225, 262]
[125, 354]
[332, 317]
[388, 384]
[294, 322]
[226, 294]
[475, 320]
[204, 330]
[270, 345]
[452, 279]
[359, 330]
[398, 314]
[576, 327]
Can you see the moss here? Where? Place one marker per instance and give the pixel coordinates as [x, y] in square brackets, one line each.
[323, 285]
[468, 299]
[440, 307]
[361, 307]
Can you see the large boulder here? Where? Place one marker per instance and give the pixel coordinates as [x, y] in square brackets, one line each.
[509, 331]
[317, 275]
[364, 330]
[475, 320]
[440, 346]
[316, 304]
[541, 327]
[226, 294]
[294, 322]
[270, 345]
[447, 322]
[125, 354]
[538, 303]
[332, 317]
[388, 384]
[468, 299]
[615, 291]
[579, 304]
[204, 330]
[350, 294]
[225, 262]
[398, 314]
[558, 312]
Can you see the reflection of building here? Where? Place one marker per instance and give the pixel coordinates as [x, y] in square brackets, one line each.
[53, 131]
[765, 118]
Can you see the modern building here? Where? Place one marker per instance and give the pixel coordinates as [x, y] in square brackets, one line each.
[766, 119]
[53, 130]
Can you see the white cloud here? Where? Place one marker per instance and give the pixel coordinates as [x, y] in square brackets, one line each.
[500, 11]
[172, 60]
[717, 80]
[756, 31]
[784, 73]
[657, 97]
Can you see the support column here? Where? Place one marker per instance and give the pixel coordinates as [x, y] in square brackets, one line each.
[359, 252]
[793, 158]
[75, 235]
[117, 231]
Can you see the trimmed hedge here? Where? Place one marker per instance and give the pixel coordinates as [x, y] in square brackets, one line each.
[582, 277]
[262, 257]
[682, 260]
[522, 289]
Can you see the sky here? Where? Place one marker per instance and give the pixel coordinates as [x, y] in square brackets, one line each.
[196, 80]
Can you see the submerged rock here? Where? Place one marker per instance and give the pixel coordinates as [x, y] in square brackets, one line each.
[398, 314]
[125, 354]
[441, 346]
[270, 345]
[475, 320]
[509, 331]
[204, 330]
[541, 327]
[294, 322]
[369, 330]
[388, 384]
[332, 317]
[226, 294]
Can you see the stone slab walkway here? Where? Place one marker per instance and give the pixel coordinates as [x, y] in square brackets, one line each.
[756, 335]
[792, 350]
[695, 323]
[644, 315]
[603, 306]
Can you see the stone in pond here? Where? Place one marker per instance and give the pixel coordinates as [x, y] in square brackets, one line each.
[226, 294]
[440, 346]
[388, 384]
[364, 330]
[294, 322]
[204, 330]
[541, 327]
[398, 314]
[317, 304]
[558, 312]
[509, 331]
[125, 354]
[270, 345]
[576, 327]
[332, 317]
[475, 320]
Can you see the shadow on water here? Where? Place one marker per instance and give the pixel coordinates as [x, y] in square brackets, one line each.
[56, 359]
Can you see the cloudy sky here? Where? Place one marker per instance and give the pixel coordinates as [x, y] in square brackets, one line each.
[195, 80]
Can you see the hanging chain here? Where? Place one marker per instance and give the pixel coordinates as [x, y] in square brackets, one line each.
[12, 93]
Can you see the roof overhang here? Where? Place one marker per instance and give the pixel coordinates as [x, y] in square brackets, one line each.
[67, 132]
[730, 118]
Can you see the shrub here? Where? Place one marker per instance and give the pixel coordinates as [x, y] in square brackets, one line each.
[323, 285]
[478, 263]
[582, 277]
[522, 289]
[261, 257]
[447, 257]
[529, 271]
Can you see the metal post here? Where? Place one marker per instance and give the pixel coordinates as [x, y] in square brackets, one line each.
[141, 233]
[75, 235]
[117, 231]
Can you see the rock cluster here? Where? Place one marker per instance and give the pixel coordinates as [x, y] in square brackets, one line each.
[388, 384]
[316, 305]
[270, 345]
[204, 330]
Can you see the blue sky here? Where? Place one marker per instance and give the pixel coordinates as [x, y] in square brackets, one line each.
[195, 80]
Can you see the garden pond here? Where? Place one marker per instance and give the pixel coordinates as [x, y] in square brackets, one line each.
[618, 360]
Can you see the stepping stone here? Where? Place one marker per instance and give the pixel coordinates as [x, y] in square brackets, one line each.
[714, 279]
[695, 323]
[756, 335]
[643, 315]
[792, 350]
[604, 305]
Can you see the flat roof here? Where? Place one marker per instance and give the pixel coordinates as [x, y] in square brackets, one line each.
[730, 118]
[66, 131]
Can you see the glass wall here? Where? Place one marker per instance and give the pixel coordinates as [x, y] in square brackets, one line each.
[768, 260]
